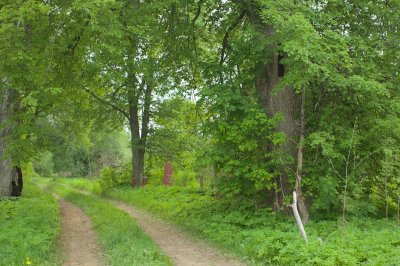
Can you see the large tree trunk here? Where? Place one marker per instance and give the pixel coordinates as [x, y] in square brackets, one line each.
[137, 167]
[279, 102]
[137, 164]
[282, 101]
[8, 174]
[139, 137]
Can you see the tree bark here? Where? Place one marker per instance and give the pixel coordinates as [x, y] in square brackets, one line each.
[137, 170]
[279, 102]
[139, 134]
[274, 102]
[8, 104]
[299, 172]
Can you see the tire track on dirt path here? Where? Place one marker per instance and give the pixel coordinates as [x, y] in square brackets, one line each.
[175, 243]
[77, 240]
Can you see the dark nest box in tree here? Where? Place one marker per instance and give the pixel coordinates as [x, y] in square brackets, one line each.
[281, 67]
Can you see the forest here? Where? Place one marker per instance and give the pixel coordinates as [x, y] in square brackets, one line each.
[249, 101]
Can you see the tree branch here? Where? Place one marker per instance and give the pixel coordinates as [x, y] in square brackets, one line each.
[198, 12]
[112, 95]
[297, 217]
[123, 112]
[72, 46]
[226, 36]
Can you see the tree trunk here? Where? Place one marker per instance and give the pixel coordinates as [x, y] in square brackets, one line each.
[139, 136]
[137, 168]
[8, 101]
[299, 172]
[297, 216]
[279, 102]
[137, 164]
[274, 102]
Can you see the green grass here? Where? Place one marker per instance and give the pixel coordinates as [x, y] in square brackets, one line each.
[264, 238]
[91, 185]
[122, 240]
[29, 227]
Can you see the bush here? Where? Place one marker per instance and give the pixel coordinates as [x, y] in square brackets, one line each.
[185, 179]
[110, 178]
[44, 165]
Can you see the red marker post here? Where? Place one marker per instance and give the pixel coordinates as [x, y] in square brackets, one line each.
[167, 174]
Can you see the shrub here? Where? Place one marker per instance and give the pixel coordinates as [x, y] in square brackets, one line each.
[110, 177]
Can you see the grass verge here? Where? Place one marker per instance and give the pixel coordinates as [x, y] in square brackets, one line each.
[29, 227]
[264, 238]
[122, 240]
[261, 236]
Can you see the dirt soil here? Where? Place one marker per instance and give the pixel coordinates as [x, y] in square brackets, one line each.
[77, 240]
[176, 244]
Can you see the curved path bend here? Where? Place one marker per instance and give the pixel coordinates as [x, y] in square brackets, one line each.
[175, 243]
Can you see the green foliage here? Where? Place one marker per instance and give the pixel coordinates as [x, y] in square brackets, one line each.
[26, 232]
[122, 240]
[44, 165]
[241, 135]
[28, 171]
[344, 55]
[185, 179]
[265, 238]
[326, 204]
[110, 177]
[92, 185]
[110, 149]
[175, 138]
[82, 153]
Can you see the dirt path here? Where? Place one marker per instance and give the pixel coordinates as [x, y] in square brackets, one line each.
[77, 239]
[175, 243]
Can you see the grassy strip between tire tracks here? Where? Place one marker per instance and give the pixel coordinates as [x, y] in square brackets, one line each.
[122, 240]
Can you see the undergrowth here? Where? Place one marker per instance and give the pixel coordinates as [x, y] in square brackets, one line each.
[264, 238]
[261, 236]
[29, 227]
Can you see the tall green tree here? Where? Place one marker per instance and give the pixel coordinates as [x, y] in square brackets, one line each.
[315, 63]
[24, 33]
[129, 62]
